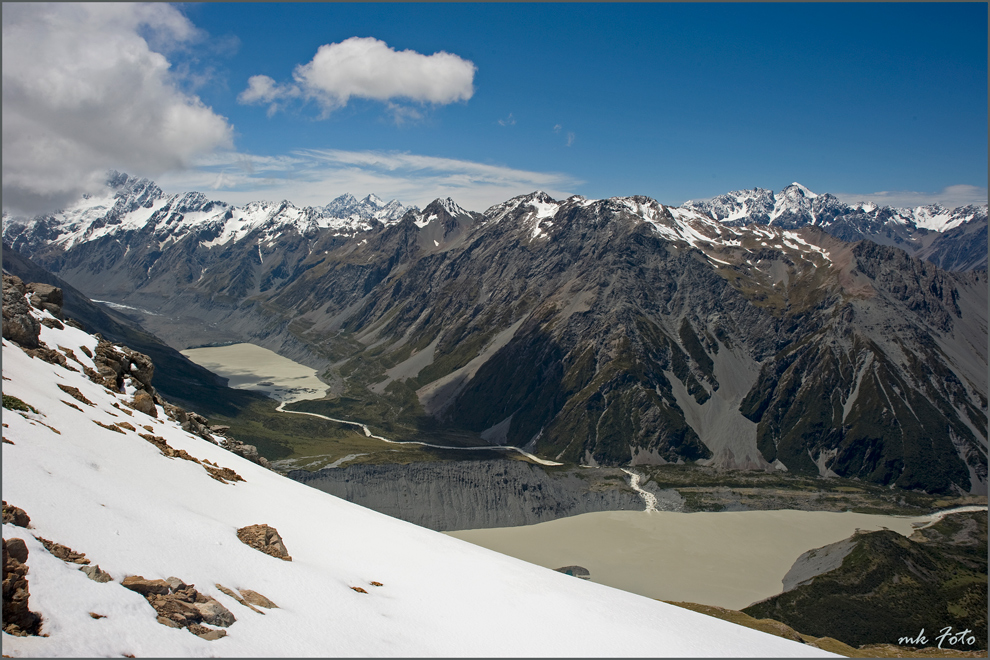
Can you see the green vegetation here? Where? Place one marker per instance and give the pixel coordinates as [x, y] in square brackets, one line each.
[890, 587]
[311, 443]
[13, 403]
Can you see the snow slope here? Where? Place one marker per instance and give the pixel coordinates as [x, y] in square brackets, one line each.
[133, 511]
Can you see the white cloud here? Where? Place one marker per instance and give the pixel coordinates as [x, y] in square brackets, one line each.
[570, 138]
[365, 67]
[950, 197]
[84, 91]
[508, 121]
[556, 128]
[315, 176]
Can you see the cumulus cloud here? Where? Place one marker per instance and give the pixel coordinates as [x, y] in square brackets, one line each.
[949, 197]
[365, 67]
[84, 91]
[315, 176]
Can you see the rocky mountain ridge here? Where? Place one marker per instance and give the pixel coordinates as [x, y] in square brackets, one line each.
[953, 238]
[612, 332]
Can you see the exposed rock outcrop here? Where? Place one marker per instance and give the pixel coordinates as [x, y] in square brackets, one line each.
[96, 574]
[64, 553]
[264, 538]
[17, 618]
[15, 515]
[18, 324]
[46, 297]
[116, 366]
[180, 605]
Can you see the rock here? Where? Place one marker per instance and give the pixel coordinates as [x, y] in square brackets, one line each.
[144, 403]
[165, 621]
[75, 393]
[233, 594]
[18, 324]
[264, 538]
[175, 609]
[63, 552]
[214, 613]
[576, 571]
[17, 618]
[255, 598]
[145, 587]
[17, 549]
[96, 574]
[46, 293]
[15, 515]
[175, 584]
[207, 633]
[219, 429]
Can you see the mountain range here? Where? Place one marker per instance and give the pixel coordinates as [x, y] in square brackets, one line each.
[755, 330]
[126, 535]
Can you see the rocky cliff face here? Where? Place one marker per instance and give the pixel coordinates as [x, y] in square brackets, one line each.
[448, 496]
[604, 332]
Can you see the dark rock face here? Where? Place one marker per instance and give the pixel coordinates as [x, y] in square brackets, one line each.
[18, 325]
[17, 618]
[449, 496]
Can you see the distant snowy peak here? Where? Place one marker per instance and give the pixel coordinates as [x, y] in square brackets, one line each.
[440, 208]
[796, 206]
[131, 204]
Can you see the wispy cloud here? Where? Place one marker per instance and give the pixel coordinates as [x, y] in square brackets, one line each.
[365, 67]
[508, 121]
[315, 176]
[570, 138]
[950, 197]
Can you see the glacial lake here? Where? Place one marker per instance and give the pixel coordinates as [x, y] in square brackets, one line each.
[729, 559]
[250, 367]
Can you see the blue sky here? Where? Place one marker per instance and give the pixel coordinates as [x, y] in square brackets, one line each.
[882, 101]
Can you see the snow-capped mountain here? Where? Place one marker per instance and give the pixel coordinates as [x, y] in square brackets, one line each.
[133, 204]
[797, 206]
[127, 536]
[612, 331]
[954, 239]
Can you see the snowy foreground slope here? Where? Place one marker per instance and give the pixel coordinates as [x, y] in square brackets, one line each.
[133, 511]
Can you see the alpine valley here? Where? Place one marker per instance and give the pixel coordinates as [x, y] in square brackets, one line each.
[760, 331]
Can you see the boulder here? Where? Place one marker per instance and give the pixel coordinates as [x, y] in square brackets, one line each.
[15, 515]
[264, 538]
[207, 633]
[144, 403]
[255, 598]
[145, 587]
[214, 613]
[18, 324]
[17, 549]
[96, 574]
[46, 296]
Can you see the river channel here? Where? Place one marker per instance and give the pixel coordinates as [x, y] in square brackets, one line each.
[729, 559]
